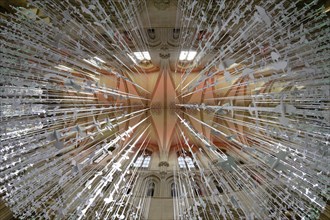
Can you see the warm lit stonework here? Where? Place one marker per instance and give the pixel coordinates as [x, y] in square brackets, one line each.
[164, 109]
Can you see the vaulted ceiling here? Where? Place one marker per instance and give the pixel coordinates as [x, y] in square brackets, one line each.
[254, 91]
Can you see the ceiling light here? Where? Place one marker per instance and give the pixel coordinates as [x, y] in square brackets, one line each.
[187, 55]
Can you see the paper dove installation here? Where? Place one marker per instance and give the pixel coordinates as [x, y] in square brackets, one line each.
[156, 109]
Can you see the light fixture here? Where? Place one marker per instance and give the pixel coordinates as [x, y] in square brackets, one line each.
[187, 55]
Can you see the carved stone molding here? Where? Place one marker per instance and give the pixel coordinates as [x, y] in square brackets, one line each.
[163, 163]
[162, 4]
[164, 47]
[164, 55]
[163, 168]
[163, 174]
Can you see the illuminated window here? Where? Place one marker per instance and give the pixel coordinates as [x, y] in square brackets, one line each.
[185, 162]
[187, 55]
[139, 56]
[143, 161]
[182, 164]
[139, 161]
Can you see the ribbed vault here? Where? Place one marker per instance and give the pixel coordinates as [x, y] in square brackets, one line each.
[165, 109]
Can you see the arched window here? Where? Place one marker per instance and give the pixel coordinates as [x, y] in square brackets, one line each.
[143, 160]
[185, 162]
[173, 190]
[151, 189]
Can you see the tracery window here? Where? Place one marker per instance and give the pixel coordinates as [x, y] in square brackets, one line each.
[185, 162]
[143, 160]
[173, 190]
[151, 189]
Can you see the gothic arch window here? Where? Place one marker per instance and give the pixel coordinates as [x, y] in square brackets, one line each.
[143, 160]
[151, 186]
[174, 190]
[185, 161]
[151, 33]
[151, 189]
[176, 33]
